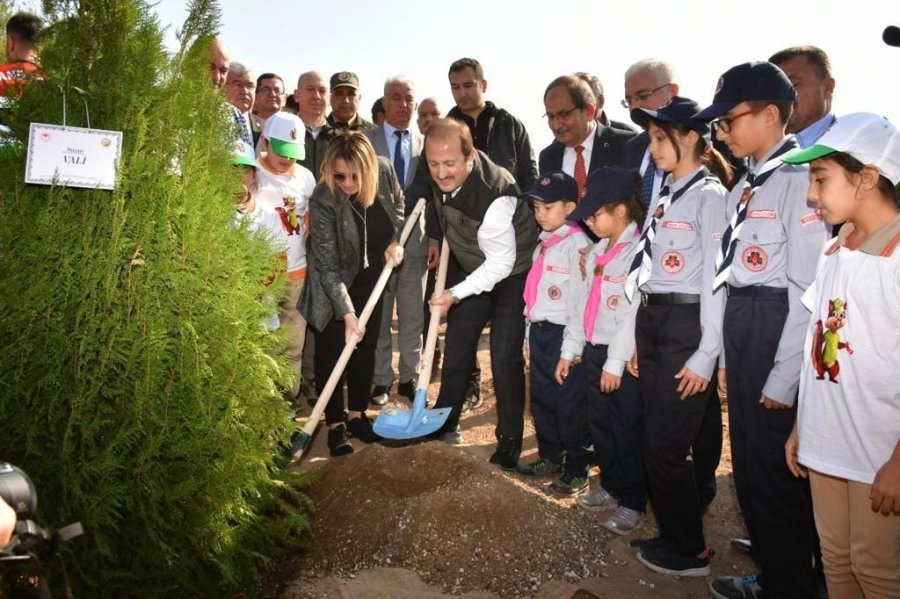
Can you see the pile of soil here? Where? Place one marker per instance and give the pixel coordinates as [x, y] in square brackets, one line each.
[454, 519]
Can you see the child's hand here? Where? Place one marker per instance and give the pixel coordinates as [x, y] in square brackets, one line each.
[632, 365]
[562, 370]
[791, 446]
[609, 382]
[771, 404]
[690, 382]
[722, 380]
[886, 487]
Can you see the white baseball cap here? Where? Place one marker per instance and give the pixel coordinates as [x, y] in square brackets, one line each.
[286, 135]
[868, 137]
[243, 154]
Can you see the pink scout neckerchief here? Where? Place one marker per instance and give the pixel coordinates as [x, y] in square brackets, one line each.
[537, 269]
[593, 301]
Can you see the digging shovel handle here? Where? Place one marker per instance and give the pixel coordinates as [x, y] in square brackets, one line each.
[431, 338]
[335, 376]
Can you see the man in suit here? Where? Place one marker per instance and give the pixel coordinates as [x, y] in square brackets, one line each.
[312, 97]
[270, 98]
[581, 144]
[597, 88]
[395, 140]
[240, 89]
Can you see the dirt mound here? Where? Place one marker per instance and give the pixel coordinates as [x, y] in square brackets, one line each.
[449, 516]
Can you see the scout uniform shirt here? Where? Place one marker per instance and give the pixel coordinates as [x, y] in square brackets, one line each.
[561, 292]
[849, 412]
[684, 250]
[288, 196]
[614, 322]
[778, 246]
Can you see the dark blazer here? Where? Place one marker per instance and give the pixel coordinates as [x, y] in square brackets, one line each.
[333, 251]
[609, 150]
[635, 149]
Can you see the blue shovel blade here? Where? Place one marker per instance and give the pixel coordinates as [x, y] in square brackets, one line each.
[392, 423]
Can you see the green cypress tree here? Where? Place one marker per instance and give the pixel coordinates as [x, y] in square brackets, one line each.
[138, 385]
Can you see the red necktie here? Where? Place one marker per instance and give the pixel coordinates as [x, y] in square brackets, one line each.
[580, 173]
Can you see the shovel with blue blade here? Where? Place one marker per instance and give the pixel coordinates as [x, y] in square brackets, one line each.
[394, 423]
[304, 437]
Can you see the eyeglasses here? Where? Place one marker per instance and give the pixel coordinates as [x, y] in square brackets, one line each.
[551, 116]
[642, 95]
[341, 177]
[270, 90]
[725, 123]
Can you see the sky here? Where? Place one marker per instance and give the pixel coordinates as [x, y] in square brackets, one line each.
[525, 44]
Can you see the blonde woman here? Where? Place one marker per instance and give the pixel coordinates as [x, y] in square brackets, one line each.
[356, 214]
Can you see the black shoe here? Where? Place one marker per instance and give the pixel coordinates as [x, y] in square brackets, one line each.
[569, 484]
[338, 443]
[743, 545]
[380, 394]
[665, 561]
[641, 544]
[407, 389]
[361, 428]
[507, 454]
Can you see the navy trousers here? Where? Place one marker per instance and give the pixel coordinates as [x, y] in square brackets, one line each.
[666, 337]
[504, 308]
[775, 505]
[615, 425]
[558, 410]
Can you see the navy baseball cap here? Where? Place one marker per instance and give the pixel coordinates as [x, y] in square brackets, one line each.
[891, 35]
[678, 109]
[553, 187]
[606, 185]
[748, 82]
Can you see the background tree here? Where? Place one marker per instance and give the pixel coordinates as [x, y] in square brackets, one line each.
[138, 385]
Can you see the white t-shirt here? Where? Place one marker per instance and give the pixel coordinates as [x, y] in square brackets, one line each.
[288, 197]
[849, 408]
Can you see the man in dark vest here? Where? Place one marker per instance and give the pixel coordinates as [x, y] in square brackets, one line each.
[491, 232]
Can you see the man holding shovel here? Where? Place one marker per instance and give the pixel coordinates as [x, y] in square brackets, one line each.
[491, 234]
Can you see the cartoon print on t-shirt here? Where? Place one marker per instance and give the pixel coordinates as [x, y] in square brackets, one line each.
[288, 215]
[827, 341]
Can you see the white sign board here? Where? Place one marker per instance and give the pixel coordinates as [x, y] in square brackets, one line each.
[72, 156]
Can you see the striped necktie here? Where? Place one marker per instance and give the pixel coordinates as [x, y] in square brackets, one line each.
[642, 264]
[580, 173]
[647, 183]
[725, 256]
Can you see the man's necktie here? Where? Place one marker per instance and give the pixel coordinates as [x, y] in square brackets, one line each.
[647, 186]
[242, 125]
[580, 174]
[399, 162]
[725, 256]
[641, 266]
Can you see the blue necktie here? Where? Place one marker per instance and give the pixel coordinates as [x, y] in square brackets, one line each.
[241, 123]
[399, 162]
[647, 187]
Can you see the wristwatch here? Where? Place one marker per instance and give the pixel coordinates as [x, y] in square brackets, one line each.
[453, 294]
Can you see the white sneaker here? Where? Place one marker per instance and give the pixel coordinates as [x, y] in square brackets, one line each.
[624, 521]
[598, 500]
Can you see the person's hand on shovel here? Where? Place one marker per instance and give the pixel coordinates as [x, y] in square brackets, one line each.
[441, 304]
[352, 331]
[393, 255]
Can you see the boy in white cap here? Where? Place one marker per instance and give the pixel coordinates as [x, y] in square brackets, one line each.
[283, 186]
[847, 434]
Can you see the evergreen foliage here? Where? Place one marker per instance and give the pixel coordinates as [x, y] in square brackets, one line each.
[139, 387]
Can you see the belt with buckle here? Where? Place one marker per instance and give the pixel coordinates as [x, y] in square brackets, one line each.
[669, 299]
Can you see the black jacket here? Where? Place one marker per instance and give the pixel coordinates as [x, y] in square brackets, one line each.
[506, 142]
[609, 150]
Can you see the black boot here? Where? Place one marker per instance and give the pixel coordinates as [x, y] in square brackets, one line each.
[338, 443]
[507, 454]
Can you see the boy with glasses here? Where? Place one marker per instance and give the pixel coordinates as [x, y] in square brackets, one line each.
[766, 261]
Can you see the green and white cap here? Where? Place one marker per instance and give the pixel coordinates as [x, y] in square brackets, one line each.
[868, 137]
[243, 154]
[286, 135]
